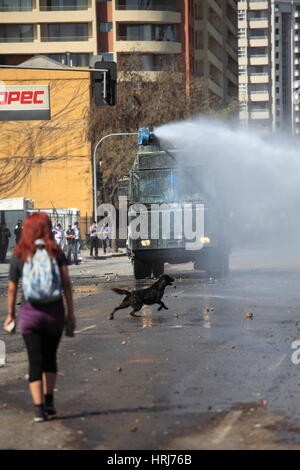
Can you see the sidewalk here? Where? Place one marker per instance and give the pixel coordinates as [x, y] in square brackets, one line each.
[110, 263]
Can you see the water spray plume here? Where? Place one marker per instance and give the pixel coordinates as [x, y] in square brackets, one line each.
[258, 176]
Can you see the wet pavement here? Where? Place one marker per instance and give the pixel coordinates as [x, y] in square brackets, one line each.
[215, 371]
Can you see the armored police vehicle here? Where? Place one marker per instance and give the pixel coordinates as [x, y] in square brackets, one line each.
[175, 215]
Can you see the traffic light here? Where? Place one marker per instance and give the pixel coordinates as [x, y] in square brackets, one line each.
[104, 85]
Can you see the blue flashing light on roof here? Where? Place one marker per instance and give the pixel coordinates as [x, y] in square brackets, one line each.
[146, 136]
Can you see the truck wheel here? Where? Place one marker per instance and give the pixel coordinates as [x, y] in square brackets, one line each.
[158, 268]
[147, 268]
[197, 265]
[139, 270]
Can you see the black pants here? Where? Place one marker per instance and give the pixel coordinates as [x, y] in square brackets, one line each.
[41, 349]
[72, 249]
[94, 245]
[106, 244]
[3, 251]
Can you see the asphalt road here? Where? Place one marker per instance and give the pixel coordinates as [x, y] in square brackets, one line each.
[215, 371]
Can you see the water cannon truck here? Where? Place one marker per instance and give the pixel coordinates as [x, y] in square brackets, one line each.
[156, 183]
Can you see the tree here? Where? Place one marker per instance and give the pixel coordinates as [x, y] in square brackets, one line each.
[144, 100]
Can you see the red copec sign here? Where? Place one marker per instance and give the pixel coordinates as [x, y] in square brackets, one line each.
[24, 102]
[22, 97]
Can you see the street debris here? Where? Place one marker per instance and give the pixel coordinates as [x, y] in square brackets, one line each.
[249, 316]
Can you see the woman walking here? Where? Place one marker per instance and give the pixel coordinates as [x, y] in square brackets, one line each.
[42, 265]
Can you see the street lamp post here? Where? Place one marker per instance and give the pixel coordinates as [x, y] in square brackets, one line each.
[94, 165]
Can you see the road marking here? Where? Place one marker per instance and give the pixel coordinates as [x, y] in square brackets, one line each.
[225, 426]
[282, 358]
[86, 328]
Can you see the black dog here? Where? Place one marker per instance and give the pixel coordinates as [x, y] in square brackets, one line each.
[137, 298]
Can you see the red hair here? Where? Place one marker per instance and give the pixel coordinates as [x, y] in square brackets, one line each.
[37, 225]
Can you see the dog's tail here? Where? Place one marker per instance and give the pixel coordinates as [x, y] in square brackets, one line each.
[121, 291]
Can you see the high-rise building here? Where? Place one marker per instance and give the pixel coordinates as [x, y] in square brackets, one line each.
[269, 57]
[202, 32]
[254, 43]
[215, 47]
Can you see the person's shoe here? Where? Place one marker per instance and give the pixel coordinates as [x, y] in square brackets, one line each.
[50, 411]
[49, 406]
[40, 414]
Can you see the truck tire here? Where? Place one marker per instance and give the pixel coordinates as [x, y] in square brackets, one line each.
[158, 268]
[138, 269]
[141, 269]
[197, 265]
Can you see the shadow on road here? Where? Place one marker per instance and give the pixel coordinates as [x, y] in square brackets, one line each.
[139, 409]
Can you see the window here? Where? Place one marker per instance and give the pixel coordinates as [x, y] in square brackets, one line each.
[64, 32]
[105, 27]
[147, 32]
[63, 5]
[163, 5]
[107, 56]
[15, 5]
[75, 60]
[16, 33]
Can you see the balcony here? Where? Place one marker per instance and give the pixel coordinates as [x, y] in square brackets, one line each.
[258, 23]
[130, 45]
[162, 11]
[258, 4]
[55, 5]
[258, 41]
[258, 60]
[259, 96]
[260, 114]
[215, 88]
[147, 6]
[64, 38]
[16, 40]
[259, 78]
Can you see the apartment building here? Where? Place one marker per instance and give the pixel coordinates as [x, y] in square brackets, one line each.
[254, 43]
[202, 32]
[285, 20]
[269, 57]
[215, 47]
[64, 30]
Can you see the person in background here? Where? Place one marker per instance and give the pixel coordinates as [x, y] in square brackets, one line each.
[94, 239]
[70, 237]
[77, 239]
[41, 324]
[4, 241]
[59, 235]
[105, 232]
[18, 230]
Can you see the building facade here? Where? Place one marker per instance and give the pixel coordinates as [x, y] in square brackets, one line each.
[254, 43]
[48, 161]
[269, 58]
[203, 33]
